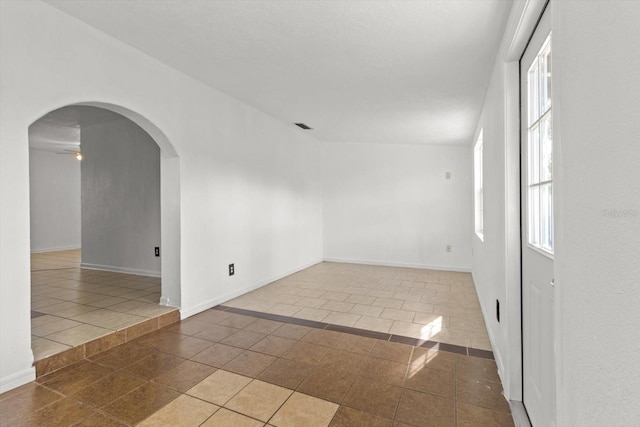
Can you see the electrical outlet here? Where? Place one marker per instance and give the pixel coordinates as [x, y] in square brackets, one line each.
[232, 270]
[498, 310]
[447, 175]
[157, 250]
[448, 248]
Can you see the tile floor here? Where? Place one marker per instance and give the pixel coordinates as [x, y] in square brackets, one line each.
[424, 304]
[220, 368]
[71, 306]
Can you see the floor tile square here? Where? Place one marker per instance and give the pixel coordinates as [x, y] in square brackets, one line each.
[383, 371]
[217, 355]
[366, 310]
[141, 403]
[342, 361]
[63, 412]
[243, 339]
[423, 409]
[286, 373]
[154, 365]
[327, 384]
[78, 335]
[259, 400]
[356, 344]
[184, 376]
[108, 389]
[434, 381]
[392, 351]
[74, 378]
[339, 306]
[322, 337]
[481, 393]
[273, 345]
[215, 333]
[219, 387]
[249, 363]
[373, 397]
[184, 411]
[374, 324]
[306, 353]
[303, 410]
[343, 319]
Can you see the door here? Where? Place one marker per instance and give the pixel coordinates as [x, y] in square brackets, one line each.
[537, 227]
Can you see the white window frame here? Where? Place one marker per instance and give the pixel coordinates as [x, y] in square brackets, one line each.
[478, 185]
[539, 177]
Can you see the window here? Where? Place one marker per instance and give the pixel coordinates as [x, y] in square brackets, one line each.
[478, 186]
[540, 152]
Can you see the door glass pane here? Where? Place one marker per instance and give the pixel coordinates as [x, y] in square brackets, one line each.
[546, 151]
[546, 216]
[534, 155]
[534, 216]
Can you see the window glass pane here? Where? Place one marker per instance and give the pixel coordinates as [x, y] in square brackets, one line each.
[534, 155]
[546, 217]
[545, 79]
[479, 199]
[546, 162]
[533, 93]
[534, 216]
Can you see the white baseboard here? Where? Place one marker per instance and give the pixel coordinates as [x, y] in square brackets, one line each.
[137, 271]
[519, 414]
[55, 249]
[16, 380]
[400, 264]
[186, 312]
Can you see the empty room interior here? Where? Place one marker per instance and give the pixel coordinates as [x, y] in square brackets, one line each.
[319, 213]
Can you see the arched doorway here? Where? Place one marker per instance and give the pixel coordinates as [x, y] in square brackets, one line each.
[141, 217]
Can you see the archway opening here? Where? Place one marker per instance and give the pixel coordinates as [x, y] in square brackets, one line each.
[105, 233]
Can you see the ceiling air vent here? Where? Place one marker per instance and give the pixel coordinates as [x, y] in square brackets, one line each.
[302, 126]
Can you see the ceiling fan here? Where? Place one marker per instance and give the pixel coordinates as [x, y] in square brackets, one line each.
[76, 153]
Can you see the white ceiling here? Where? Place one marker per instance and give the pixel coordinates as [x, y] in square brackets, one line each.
[392, 71]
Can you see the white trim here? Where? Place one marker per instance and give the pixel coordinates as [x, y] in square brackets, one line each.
[401, 264]
[17, 379]
[58, 248]
[519, 414]
[186, 312]
[114, 269]
[166, 301]
[512, 383]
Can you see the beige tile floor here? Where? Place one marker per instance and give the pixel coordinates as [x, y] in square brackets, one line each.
[431, 305]
[71, 306]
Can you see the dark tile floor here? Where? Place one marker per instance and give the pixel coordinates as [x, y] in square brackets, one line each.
[221, 368]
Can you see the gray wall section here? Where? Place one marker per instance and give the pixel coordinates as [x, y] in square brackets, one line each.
[55, 201]
[120, 198]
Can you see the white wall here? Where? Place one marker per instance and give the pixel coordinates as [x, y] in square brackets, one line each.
[391, 204]
[120, 198]
[596, 47]
[250, 186]
[54, 181]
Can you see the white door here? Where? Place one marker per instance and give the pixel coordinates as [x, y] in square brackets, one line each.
[537, 228]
